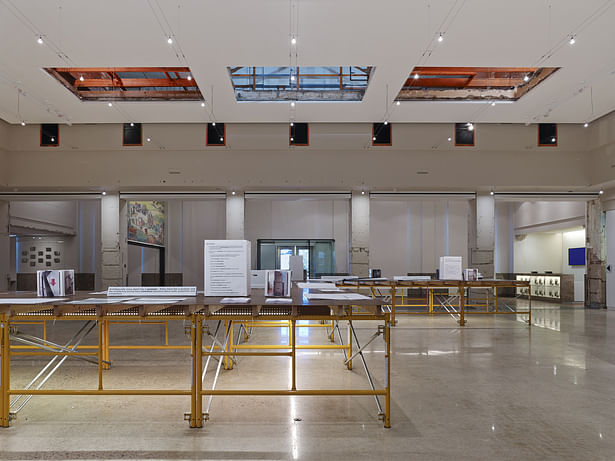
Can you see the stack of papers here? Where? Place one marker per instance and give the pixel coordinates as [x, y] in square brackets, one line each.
[337, 296]
[278, 301]
[151, 300]
[317, 286]
[99, 301]
[234, 300]
[30, 300]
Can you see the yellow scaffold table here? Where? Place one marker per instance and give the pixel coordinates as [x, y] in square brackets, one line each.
[455, 305]
[193, 310]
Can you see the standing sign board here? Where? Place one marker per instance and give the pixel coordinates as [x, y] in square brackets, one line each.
[227, 267]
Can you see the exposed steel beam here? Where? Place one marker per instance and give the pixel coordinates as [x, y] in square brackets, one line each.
[134, 83]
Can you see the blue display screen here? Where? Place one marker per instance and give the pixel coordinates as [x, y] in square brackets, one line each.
[576, 256]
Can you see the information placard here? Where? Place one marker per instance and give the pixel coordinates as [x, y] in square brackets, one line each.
[451, 268]
[227, 267]
[151, 291]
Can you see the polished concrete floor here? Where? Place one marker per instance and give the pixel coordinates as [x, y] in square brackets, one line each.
[494, 390]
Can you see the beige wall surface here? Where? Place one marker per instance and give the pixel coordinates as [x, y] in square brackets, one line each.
[340, 156]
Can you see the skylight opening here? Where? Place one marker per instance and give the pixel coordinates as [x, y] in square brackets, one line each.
[323, 83]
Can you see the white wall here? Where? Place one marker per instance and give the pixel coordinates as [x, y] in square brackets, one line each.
[539, 251]
[574, 239]
[300, 219]
[411, 235]
[548, 215]
[610, 258]
[504, 237]
[59, 217]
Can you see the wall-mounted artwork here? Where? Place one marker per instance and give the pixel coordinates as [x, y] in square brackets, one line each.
[40, 260]
[40, 253]
[32, 256]
[146, 222]
[32, 248]
[32, 264]
[24, 260]
[48, 263]
[24, 253]
[48, 249]
[56, 260]
[56, 253]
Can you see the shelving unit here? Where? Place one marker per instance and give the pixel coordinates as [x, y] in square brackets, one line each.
[551, 287]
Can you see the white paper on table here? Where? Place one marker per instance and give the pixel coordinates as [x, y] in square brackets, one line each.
[154, 300]
[317, 285]
[30, 300]
[99, 293]
[278, 301]
[234, 300]
[99, 301]
[337, 296]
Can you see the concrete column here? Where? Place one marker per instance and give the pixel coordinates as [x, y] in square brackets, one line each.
[5, 246]
[111, 270]
[481, 235]
[235, 227]
[359, 250]
[595, 243]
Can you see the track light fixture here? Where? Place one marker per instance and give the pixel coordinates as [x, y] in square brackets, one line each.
[292, 104]
[292, 139]
[170, 40]
[23, 123]
[202, 104]
[233, 193]
[132, 124]
[386, 122]
[397, 103]
[110, 104]
[449, 139]
[221, 139]
[572, 40]
[189, 77]
[440, 38]
[491, 192]
[526, 78]
[470, 126]
[416, 76]
[553, 139]
[373, 138]
[39, 40]
[213, 123]
[81, 79]
[601, 191]
[104, 193]
[293, 41]
[53, 139]
[148, 139]
[585, 125]
[292, 123]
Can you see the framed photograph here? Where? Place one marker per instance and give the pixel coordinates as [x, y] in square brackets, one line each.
[24, 260]
[40, 260]
[47, 256]
[33, 256]
[24, 253]
[32, 248]
[48, 263]
[48, 249]
[32, 264]
[56, 253]
[56, 260]
[40, 253]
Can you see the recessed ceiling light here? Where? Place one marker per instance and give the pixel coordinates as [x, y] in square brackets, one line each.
[221, 139]
[23, 123]
[386, 122]
[493, 103]
[470, 126]
[293, 41]
[526, 78]
[292, 124]
[292, 139]
[585, 125]
[572, 40]
[416, 76]
[170, 40]
[53, 139]
[449, 139]
[440, 38]
[104, 193]
[397, 103]
[148, 139]
[213, 123]
[202, 104]
[189, 77]
[292, 104]
[39, 40]
[373, 138]
[110, 104]
[132, 124]
[81, 79]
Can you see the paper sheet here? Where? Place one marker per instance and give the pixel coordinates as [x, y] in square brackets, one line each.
[278, 301]
[99, 301]
[337, 296]
[150, 300]
[99, 293]
[30, 300]
[317, 285]
[234, 300]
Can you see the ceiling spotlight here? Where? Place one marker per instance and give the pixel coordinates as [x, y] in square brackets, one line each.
[471, 126]
[572, 40]
[526, 78]
[493, 103]
[601, 191]
[104, 193]
[23, 123]
[148, 139]
[170, 40]
[292, 78]
[373, 138]
[292, 139]
[81, 79]
[132, 124]
[397, 103]
[53, 139]
[213, 123]
[202, 104]
[585, 125]
[293, 41]
[292, 123]
[292, 104]
[39, 40]
[553, 139]
[189, 77]
[386, 122]
[221, 139]
[440, 38]
[491, 193]
[362, 192]
[233, 193]
[449, 139]
[110, 104]
[416, 76]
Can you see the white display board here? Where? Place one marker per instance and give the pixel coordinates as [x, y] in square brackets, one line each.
[227, 267]
[55, 283]
[451, 268]
[295, 264]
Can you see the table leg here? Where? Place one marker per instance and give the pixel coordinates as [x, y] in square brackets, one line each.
[387, 359]
[5, 371]
[196, 407]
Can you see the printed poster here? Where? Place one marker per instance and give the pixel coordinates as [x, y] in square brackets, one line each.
[146, 222]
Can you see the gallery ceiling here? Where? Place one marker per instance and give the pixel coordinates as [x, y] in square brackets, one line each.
[391, 36]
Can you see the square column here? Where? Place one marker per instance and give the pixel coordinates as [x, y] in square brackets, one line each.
[235, 216]
[359, 250]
